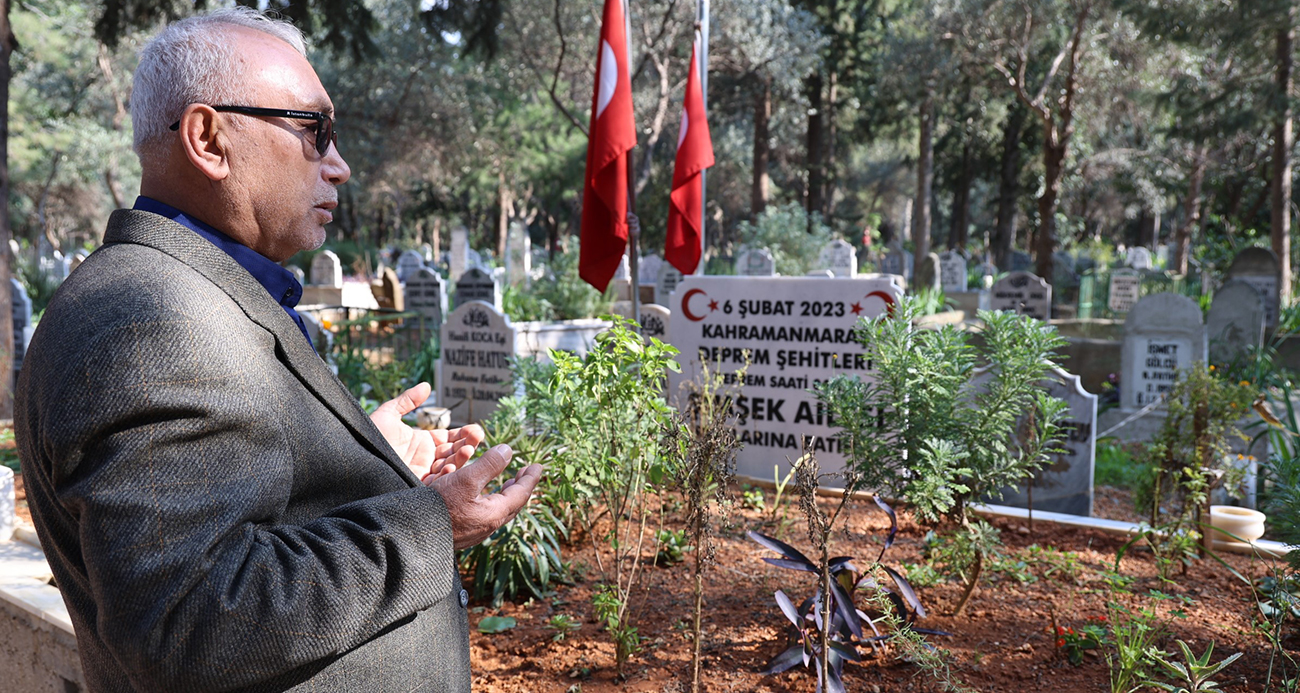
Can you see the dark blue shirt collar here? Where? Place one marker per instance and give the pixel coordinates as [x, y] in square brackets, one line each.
[278, 281]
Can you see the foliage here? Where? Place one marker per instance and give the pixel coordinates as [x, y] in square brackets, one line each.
[1132, 635]
[751, 498]
[1073, 643]
[8, 451]
[563, 625]
[522, 555]
[1120, 465]
[794, 237]
[612, 610]
[1283, 471]
[569, 297]
[672, 547]
[1192, 675]
[608, 410]
[496, 624]
[522, 304]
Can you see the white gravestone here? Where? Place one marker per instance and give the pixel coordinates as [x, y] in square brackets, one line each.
[478, 285]
[840, 257]
[1022, 293]
[1139, 258]
[519, 256]
[1065, 483]
[648, 269]
[897, 261]
[794, 332]
[1236, 321]
[755, 262]
[459, 261]
[478, 343]
[624, 271]
[669, 278]
[1125, 287]
[426, 294]
[407, 263]
[326, 270]
[654, 318]
[952, 272]
[1162, 335]
[1259, 267]
[297, 273]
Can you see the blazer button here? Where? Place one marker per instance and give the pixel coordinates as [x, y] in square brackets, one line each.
[464, 599]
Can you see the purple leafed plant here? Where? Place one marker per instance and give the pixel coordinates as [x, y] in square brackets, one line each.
[844, 634]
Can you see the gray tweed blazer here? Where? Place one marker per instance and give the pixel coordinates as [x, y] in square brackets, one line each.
[217, 510]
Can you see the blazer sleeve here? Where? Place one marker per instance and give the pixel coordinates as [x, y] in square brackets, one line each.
[169, 450]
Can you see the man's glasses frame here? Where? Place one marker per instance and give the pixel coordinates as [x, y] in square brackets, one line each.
[325, 133]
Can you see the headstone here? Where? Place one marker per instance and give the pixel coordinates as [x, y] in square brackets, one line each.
[624, 271]
[654, 321]
[407, 263]
[840, 257]
[478, 344]
[326, 270]
[648, 269]
[297, 273]
[794, 332]
[1236, 321]
[1065, 484]
[897, 261]
[1259, 267]
[459, 253]
[1020, 261]
[1163, 333]
[426, 294]
[952, 272]
[1139, 258]
[519, 257]
[755, 262]
[669, 277]
[927, 274]
[476, 284]
[1125, 287]
[824, 274]
[987, 271]
[389, 294]
[1023, 293]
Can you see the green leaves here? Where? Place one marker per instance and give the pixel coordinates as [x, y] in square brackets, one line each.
[496, 624]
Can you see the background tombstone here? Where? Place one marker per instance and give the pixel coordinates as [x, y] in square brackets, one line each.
[897, 261]
[407, 263]
[1065, 484]
[297, 273]
[648, 269]
[755, 262]
[654, 321]
[519, 256]
[478, 343]
[476, 284]
[1139, 258]
[1236, 320]
[927, 274]
[1259, 267]
[1020, 261]
[1125, 286]
[388, 290]
[459, 253]
[426, 251]
[624, 271]
[987, 271]
[1023, 293]
[669, 277]
[21, 306]
[427, 295]
[840, 257]
[326, 270]
[952, 272]
[1162, 334]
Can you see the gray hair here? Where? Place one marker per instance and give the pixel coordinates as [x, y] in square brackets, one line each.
[191, 62]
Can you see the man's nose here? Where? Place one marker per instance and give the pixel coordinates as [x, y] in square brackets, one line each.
[333, 168]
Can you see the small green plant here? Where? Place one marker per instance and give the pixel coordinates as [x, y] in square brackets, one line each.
[612, 611]
[564, 625]
[1132, 637]
[1072, 642]
[921, 574]
[673, 545]
[1193, 674]
[751, 498]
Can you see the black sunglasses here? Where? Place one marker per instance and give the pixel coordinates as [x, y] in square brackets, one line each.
[325, 133]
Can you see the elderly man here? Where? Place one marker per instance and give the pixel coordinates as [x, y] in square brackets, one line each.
[217, 510]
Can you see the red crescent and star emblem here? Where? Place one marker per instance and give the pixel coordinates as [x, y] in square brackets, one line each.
[686, 305]
[882, 295]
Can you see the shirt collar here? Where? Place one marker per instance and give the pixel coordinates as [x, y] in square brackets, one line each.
[278, 281]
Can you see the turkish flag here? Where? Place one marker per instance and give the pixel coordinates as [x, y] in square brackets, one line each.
[694, 154]
[611, 135]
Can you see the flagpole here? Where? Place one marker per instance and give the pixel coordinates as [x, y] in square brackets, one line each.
[633, 231]
[702, 26]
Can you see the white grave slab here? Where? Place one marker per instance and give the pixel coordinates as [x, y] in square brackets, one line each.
[952, 272]
[669, 278]
[1022, 293]
[840, 257]
[798, 331]
[755, 262]
[519, 256]
[326, 270]
[1139, 258]
[476, 284]
[1125, 286]
[1163, 334]
[1259, 267]
[648, 268]
[459, 261]
[426, 294]
[478, 343]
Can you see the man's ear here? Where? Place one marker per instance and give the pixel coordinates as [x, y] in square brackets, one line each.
[203, 137]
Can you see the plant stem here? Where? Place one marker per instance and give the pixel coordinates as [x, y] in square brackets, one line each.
[974, 580]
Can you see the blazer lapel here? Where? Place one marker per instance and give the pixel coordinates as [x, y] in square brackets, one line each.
[144, 228]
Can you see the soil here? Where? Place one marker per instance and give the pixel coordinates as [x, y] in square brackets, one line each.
[1001, 643]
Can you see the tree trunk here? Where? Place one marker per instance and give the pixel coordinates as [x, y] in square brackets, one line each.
[958, 235]
[1282, 142]
[1149, 229]
[762, 189]
[1053, 167]
[504, 209]
[1191, 213]
[924, 179]
[1008, 186]
[828, 123]
[816, 147]
[8, 43]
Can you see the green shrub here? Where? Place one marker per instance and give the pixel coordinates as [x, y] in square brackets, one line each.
[794, 237]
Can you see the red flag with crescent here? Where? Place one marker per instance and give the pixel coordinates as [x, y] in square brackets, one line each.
[611, 135]
[694, 154]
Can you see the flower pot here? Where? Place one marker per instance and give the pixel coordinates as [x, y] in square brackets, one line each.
[1243, 524]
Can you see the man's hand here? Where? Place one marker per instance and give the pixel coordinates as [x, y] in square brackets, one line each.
[474, 516]
[427, 453]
